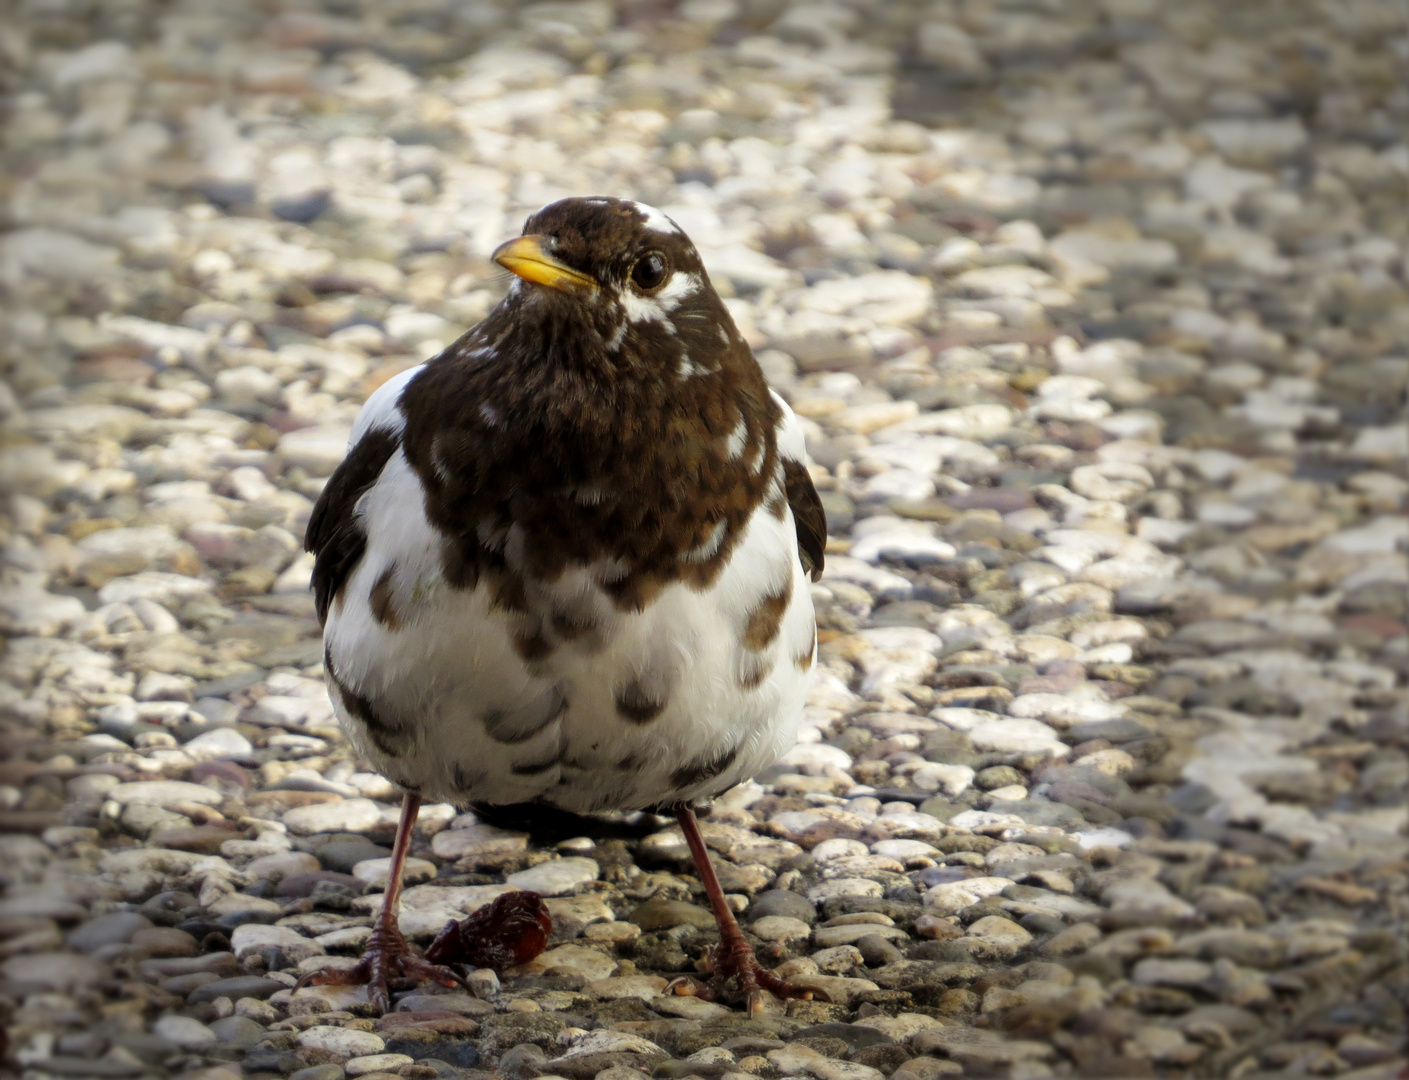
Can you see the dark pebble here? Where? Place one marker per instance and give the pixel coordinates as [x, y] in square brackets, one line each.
[242, 918]
[751, 1046]
[222, 963]
[111, 929]
[301, 209]
[886, 1057]
[877, 951]
[237, 1031]
[153, 1049]
[198, 839]
[305, 884]
[227, 774]
[1041, 812]
[854, 1035]
[227, 193]
[201, 928]
[343, 851]
[241, 986]
[522, 1062]
[662, 914]
[313, 1072]
[99, 1067]
[997, 776]
[782, 902]
[826, 1045]
[678, 1070]
[904, 613]
[1004, 500]
[189, 984]
[1038, 922]
[463, 1054]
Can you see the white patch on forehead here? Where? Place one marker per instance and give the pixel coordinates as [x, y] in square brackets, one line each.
[676, 289]
[738, 438]
[656, 221]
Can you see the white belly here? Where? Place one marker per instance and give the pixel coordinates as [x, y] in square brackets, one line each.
[630, 709]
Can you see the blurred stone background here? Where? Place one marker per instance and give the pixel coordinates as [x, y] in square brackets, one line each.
[1096, 314]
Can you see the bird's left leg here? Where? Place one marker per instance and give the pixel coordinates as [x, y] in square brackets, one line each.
[388, 956]
[733, 957]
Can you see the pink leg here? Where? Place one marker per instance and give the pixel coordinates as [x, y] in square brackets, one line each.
[388, 955]
[733, 957]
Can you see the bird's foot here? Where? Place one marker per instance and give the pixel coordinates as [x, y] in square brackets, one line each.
[735, 961]
[388, 959]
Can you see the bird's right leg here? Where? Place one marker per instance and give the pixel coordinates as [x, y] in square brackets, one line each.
[388, 955]
[733, 958]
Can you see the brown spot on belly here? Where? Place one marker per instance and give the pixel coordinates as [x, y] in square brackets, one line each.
[573, 620]
[639, 702]
[389, 735]
[752, 669]
[507, 591]
[517, 725]
[703, 768]
[804, 661]
[766, 617]
[531, 644]
[635, 592]
[467, 780]
[383, 609]
[536, 768]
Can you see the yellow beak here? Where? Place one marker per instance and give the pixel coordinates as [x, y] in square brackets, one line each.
[527, 256]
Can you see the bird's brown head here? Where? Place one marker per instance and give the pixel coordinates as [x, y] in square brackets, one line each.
[617, 285]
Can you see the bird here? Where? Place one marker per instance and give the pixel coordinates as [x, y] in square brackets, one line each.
[567, 561]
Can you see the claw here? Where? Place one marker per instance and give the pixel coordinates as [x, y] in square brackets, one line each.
[737, 964]
[388, 959]
[685, 986]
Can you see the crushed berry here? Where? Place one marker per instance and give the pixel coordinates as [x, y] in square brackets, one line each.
[511, 931]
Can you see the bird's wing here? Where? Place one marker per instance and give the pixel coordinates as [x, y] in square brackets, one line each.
[335, 535]
[808, 515]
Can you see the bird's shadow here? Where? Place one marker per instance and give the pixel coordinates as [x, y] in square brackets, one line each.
[550, 825]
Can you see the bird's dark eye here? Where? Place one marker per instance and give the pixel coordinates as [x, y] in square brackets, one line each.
[649, 271]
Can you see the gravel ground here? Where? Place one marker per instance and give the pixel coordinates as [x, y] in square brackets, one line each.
[1096, 314]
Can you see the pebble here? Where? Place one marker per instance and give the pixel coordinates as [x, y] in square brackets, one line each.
[556, 878]
[344, 1042]
[375, 1063]
[163, 793]
[349, 815]
[375, 872]
[251, 939]
[111, 929]
[185, 1032]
